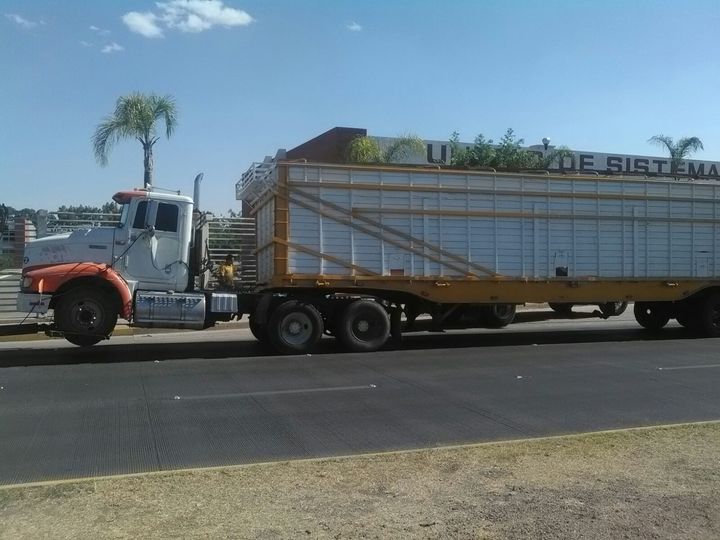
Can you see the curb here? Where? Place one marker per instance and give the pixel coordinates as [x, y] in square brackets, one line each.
[123, 330]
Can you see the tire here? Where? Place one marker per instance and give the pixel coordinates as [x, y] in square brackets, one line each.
[708, 315]
[686, 314]
[85, 315]
[364, 326]
[294, 327]
[612, 309]
[651, 315]
[258, 330]
[498, 315]
[562, 308]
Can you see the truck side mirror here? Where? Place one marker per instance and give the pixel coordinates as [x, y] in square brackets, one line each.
[150, 230]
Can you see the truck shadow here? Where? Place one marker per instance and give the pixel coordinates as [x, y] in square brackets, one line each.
[207, 348]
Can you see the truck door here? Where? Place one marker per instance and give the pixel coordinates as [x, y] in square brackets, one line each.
[155, 258]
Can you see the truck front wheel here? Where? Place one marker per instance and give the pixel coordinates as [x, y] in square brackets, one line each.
[294, 327]
[85, 315]
[364, 326]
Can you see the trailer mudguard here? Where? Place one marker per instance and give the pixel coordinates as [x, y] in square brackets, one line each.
[53, 278]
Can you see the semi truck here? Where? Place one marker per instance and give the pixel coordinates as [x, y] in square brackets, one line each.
[365, 253]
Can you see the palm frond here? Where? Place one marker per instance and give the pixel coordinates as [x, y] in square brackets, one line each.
[688, 145]
[663, 141]
[164, 108]
[108, 132]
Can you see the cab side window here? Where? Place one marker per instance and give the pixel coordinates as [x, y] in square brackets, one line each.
[139, 221]
[167, 218]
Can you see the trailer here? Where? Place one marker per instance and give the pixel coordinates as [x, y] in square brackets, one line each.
[366, 253]
[361, 251]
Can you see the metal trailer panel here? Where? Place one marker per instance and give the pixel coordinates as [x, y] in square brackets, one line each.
[359, 221]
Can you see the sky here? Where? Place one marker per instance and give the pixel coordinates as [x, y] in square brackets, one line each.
[250, 77]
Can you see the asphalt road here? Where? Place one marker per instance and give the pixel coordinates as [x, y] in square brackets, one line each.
[167, 401]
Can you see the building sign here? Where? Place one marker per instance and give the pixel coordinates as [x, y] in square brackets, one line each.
[440, 152]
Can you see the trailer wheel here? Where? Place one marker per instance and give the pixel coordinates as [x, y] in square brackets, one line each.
[708, 315]
[651, 315]
[613, 309]
[294, 327]
[498, 315]
[561, 307]
[85, 315]
[258, 330]
[364, 326]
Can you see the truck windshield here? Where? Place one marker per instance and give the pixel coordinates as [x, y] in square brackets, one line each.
[123, 215]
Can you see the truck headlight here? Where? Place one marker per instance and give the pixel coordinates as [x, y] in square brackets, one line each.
[26, 282]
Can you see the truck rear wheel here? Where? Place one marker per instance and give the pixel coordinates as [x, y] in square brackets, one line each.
[651, 315]
[85, 315]
[498, 315]
[294, 327]
[612, 309]
[708, 315]
[364, 326]
[561, 307]
[258, 330]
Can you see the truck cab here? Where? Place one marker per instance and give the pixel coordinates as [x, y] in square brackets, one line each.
[140, 270]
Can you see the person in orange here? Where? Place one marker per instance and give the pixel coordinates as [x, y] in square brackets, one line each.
[226, 274]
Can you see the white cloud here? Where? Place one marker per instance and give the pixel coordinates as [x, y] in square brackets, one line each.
[99, 31]
[112, 47]
[186, 16]
[22, 21]
[85, 43]
[143, 24]
[354, 27]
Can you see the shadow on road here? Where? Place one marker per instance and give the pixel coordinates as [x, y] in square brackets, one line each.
[207, 347]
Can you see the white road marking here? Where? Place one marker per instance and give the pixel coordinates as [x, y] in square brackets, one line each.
[278, 392]
[699, 366]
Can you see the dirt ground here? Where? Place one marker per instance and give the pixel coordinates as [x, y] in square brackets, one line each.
[647, 483]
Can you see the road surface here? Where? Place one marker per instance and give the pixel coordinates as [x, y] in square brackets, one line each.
[168, 401]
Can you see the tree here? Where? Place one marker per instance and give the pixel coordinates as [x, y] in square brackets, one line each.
[678, 151]
[368, 150]
[136, 116]
[508, 154]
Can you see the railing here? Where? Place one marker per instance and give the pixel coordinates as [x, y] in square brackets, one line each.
[9, 289]
[255, 182]
[60, 222]
[236, 237]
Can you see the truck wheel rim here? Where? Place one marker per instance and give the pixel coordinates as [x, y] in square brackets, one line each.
[86, 315]
[366, 328]
[296, 329]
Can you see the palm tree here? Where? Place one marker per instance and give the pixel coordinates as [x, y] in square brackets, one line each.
[136, 116]
[678, 150]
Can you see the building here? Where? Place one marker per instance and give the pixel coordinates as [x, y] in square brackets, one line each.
[17, 233]
[330, 147]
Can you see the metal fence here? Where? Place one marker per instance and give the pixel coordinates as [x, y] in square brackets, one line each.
[9, 288]
[236, 237]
